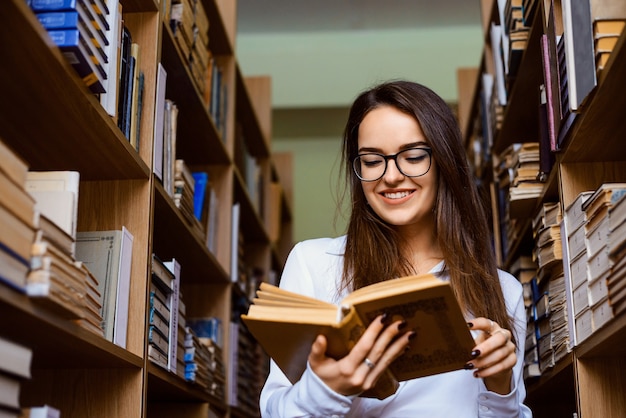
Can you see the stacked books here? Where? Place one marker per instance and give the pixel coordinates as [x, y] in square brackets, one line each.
[203, 347]
[15, 362]
[549, 312]
[58, 281]
[525, 187]
[167, 316]
[606, 32]
[17, 220]
[616, 281]
[190, 25]
[598, 238]
[594, 257]
[197, 360]
[575, 265]
[517, 28]
[184, 196]
[159, 313]
[78, 28]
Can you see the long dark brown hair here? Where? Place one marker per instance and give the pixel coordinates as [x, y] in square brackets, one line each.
[373, 247]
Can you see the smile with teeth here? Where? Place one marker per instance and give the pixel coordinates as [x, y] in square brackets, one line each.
[397, 195]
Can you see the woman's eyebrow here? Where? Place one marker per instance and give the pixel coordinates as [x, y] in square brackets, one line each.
[402, 147]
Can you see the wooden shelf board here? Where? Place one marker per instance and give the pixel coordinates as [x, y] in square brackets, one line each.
[608, 341]
[56, 341]
[219, 42]
[165, 386]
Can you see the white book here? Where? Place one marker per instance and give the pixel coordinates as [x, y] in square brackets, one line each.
[497, 34]
[233, 363]
[15, 358]
[159, 110]
[211, 229]
[45, 411]
[109, 99]
[123, 289]
[174, 266]
[579, 51]
[108, 256]
[234, 243]
[56, 196]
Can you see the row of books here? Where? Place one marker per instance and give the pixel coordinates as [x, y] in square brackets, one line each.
[93, 38]
[578, 273]
[518, 19]
[547, 336]
[78, 28]
[577, 38]
[246, 373]
[596, 235]
[82, 276]
[515, 192]
[190, 26]
[204, 356]
[15, 369]
[166, 316]
[191, 348]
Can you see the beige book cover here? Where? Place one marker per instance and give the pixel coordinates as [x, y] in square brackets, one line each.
[286, 324]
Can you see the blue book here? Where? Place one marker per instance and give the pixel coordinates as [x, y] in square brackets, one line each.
[73, 47]
[59, 20]
[53, 5]
[200, 181]
[14, 268]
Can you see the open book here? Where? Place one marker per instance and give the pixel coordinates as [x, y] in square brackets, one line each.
[286, 324]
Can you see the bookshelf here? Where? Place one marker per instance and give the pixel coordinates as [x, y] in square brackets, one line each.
[53, 122]
[587, 380]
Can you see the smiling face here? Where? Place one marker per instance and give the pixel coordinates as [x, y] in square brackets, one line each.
[405, 202]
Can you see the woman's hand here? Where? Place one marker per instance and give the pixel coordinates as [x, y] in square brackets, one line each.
[494, 355]
[359, 371]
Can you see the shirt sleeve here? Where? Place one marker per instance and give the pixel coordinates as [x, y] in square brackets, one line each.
[309, 397]
[491, 404]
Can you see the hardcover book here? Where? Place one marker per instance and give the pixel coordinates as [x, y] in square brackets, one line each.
[56, 196]
[108, 255]
[286, 324]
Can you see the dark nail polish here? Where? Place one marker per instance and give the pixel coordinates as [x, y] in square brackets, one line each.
[476, 374]
[384, 317]
[470, 325]
[412, 335]
[475, 353]
[469, 366]
[401, 325]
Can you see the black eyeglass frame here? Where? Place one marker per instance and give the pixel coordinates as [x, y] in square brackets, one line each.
[393, 157]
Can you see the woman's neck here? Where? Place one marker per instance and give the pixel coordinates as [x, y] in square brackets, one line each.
[421, 248]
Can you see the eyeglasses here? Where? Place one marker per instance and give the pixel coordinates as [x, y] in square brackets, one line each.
[412, 162]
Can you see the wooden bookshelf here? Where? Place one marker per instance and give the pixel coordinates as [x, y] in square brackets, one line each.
[53, 122]
[589, 381]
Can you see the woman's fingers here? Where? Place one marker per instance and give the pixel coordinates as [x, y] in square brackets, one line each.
[380, 344]
[495, 352]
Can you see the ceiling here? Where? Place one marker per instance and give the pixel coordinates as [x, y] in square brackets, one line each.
[275, 16]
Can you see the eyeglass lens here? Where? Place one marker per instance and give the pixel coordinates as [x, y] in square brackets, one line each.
[413, 162]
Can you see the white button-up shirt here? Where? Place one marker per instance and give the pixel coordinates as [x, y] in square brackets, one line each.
[314, 268]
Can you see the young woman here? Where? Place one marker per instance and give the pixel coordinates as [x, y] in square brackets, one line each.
[414, 209]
